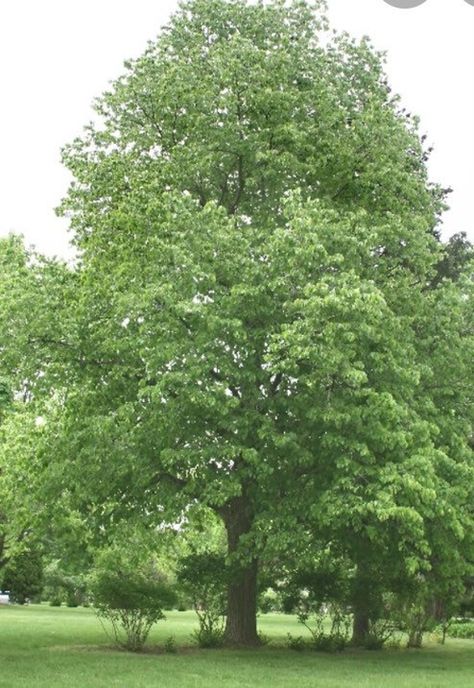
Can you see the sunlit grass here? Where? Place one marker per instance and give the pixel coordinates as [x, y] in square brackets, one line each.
[45, 647]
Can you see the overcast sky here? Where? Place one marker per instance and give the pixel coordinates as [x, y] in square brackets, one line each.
[57, 55]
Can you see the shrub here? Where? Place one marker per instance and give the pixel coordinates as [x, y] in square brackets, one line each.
[204, 578]
[297, 643]
[380, 632]
[427, 605]
[415, 618]
[318, 593]
[55, 602]
[462, 629]
[170, 645]
[393, 643]
[131, 596]
[373, 642]
[209, 638]
[330, 643]
[75, 589]
[317, 617]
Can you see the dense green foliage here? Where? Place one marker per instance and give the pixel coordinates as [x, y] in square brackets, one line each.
[23, 576]
[62, 586]
[462, 630]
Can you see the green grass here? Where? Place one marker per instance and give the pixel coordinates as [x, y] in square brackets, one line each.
[45, 647]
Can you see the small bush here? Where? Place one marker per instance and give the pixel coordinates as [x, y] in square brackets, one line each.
[437, 636]
[170, 645]
[413, 615]
[55, 602]
[330, 643]
[393, 643]
[373, 642]
[131, 595]
[297, 643]
[209, 638]
[203, 578]
[315, 617]
[380, 632]
[462, 629]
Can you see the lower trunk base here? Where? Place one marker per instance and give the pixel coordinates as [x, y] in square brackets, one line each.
[241, 622]
[230, 640]
[360, 628]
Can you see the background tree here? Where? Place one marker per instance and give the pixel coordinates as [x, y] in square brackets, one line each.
[22, 577]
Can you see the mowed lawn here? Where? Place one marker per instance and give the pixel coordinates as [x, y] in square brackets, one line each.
[45, 647]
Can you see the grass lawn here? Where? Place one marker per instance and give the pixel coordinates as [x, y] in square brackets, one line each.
[45, 647]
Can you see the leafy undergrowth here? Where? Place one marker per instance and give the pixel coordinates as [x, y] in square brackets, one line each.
[54, 648]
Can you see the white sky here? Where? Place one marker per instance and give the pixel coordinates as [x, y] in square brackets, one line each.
[57, 55]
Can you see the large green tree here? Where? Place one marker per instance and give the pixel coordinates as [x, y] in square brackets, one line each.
[255, 235]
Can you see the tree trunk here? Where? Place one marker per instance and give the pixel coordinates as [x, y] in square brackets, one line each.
[241, 622]
[3, 559]
[360, 626]
[361, 603]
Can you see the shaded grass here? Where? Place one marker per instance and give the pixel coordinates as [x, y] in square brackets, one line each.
[44, 647]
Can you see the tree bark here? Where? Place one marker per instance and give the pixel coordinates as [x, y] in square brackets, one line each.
[360, 626]
[3, 560]
[241, 621]
[361, 603]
